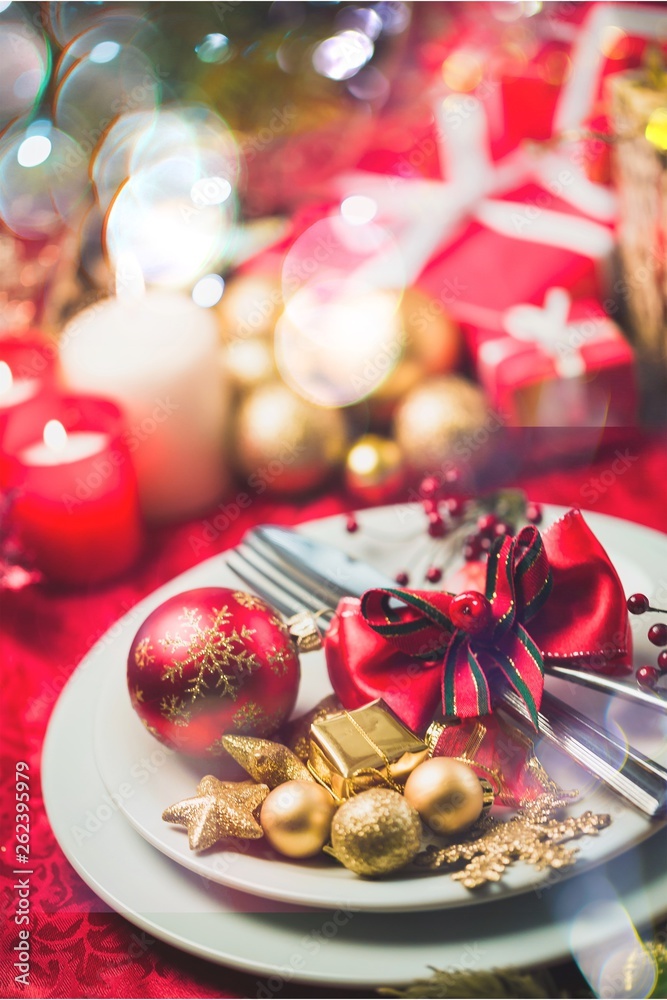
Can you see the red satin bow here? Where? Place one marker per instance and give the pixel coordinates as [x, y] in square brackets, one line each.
[484, 636]
[584, 623]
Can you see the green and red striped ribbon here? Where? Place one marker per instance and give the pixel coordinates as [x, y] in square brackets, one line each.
[518, 582]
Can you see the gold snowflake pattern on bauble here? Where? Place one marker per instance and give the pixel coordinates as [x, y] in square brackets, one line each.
[151, 729]
[535, 835]
[279, 623]
[280, 660]
[213, 652]
[249, 601]
[175, 710]
[252, 716]
[143, 656]
[139, 696]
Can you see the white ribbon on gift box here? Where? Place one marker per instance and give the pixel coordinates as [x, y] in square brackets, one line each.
[548, 329]
[424, 214]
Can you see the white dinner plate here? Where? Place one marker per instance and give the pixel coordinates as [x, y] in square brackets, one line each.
[338, 947]
[143, 778]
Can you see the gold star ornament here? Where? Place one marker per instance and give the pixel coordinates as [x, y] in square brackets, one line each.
[266, 761]
[220, 809]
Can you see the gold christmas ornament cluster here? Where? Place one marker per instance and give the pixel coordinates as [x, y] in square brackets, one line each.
[359, 785]
[287, 443]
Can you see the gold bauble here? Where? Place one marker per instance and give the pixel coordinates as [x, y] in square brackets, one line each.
[442, 420]
[374, 469]
[376, 832]
[431, 346]
[249, 363]
[249, 307]
[446, 793]
[285, 444]
[296, 818]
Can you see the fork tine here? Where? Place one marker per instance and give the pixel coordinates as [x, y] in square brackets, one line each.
[270, 582]
[260, 585]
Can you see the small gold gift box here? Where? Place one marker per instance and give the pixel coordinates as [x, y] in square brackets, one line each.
[369, 746]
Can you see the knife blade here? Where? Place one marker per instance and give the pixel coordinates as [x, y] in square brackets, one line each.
[318, 573]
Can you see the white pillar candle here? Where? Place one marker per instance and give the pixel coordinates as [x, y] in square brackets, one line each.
[157, 355]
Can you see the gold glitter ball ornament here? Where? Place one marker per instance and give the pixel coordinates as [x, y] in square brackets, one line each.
[265, 761]
[285, 444]
[296, 818]
[249, 307]
[220, 809]
[446, 793]
[442, 419]
[374, 469]
[432, 345]
[376, 832]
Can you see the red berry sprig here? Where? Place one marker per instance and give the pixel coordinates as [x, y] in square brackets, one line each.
[648, 676]
[468, 524]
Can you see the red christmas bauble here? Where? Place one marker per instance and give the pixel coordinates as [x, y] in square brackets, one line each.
[212, 662]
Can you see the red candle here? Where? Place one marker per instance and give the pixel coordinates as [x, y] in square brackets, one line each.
[27, 390]
[76, 510]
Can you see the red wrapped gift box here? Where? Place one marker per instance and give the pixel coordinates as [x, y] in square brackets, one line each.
[514, 250]
[564, 365]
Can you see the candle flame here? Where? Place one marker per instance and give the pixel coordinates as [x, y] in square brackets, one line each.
[6, 378]
[55, 436]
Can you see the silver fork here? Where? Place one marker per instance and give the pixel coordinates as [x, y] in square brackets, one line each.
[635, 777]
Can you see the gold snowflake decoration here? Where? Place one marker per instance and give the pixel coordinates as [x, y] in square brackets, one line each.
[151, 729]
[280, 660]
[254, 720]
[535, 835]
[139, 696]
[217, 747]
[278, 623]
[218, 655]
[249, 601]
[143, 656]
[175, 710]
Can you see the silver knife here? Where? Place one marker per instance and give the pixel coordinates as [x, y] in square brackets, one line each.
[295, 573]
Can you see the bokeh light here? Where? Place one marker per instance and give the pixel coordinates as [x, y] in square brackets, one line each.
[214, 48]
[343, 55]
[175, 173]
[24, 64]
[620, 965]
[43, 180]
[395, 16]
[208, 291]
[69, 18]
[92, 94]
[333, 253]
[363, 19]
[358, 209]
[336, 349]
[103, 42]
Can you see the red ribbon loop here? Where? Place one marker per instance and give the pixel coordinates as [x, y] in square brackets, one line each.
[426, 652]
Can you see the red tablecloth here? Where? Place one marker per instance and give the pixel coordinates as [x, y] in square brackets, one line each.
[76, 943]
